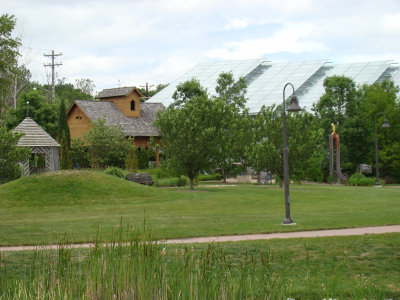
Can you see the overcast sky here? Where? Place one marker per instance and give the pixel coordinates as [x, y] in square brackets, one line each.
[125, 43]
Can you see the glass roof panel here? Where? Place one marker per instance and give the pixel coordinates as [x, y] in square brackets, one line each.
[267, 79]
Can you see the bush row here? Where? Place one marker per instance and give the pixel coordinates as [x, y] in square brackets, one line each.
[361, 180]
[162, 178]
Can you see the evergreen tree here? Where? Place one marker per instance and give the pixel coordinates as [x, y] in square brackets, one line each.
[65, 156]
[142, 159]
[63, 129]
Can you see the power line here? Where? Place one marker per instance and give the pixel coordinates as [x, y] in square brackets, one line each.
[53, 65]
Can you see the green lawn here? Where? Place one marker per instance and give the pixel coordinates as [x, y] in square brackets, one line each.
[42, 209]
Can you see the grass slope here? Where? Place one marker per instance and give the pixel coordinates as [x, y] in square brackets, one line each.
[43, 208]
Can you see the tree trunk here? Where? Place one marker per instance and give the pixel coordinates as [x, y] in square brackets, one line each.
[224, 177]
[280, 181]
[191, 183]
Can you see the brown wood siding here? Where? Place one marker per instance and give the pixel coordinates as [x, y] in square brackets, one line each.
[142, 141]
[124, 104]
[78, 123]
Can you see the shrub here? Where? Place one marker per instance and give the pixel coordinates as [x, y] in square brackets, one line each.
[79, 154]
[158, 173]
[358, 179]
[173, 181]
[107, 145]
[11, 155]
[131, 162]
[115, 171]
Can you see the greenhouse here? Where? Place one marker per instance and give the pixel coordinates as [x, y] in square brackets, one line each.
[266, 79]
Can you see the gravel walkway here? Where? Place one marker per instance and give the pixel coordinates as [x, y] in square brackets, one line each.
[247, 237]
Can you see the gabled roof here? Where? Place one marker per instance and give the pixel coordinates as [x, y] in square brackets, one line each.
[148, 113]
[132, 126]
[117, 92]
[34, 136]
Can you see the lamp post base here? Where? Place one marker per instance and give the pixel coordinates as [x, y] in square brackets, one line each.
[288, 221]
[378, 184]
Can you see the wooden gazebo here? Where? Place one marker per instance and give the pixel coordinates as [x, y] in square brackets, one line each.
[43, 148]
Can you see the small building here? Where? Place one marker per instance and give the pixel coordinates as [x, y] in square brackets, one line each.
[45, 151]
[121, 107]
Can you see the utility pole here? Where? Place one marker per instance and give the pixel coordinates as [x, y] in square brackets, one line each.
[147, 89]
[53, 73]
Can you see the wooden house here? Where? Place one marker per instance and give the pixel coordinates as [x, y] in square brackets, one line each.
[118, 106]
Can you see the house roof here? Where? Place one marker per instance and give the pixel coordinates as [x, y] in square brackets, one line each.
[148, 113]
[117, 92]
[131, 126]
[34, 136]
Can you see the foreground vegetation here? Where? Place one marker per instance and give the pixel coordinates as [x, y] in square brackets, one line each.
[40, 209]
[364, 267]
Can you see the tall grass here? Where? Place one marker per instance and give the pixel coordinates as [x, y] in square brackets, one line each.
[143, 269]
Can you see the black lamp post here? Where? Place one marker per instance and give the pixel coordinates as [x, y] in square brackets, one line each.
[294, 106]
[385, 124]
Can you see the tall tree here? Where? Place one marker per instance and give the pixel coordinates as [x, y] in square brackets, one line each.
[85, 85]
[188, 131]
[63, 128]
[66, 162]
[43, 113]
[9, 52]
[341, 106]
[69, 93]
[376, 98]
[338, 103]
[266, 150]
[231, 118]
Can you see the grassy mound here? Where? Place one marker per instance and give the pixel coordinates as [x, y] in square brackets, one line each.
[70, 187]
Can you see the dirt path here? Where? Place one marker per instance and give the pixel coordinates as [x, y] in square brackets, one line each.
[247, 237]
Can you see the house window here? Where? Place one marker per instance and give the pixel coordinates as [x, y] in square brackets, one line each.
[133, 105]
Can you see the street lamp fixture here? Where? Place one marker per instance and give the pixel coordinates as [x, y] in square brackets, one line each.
[294, 106]
[385, 124]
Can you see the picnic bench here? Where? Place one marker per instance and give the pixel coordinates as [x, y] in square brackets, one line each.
[142, 178]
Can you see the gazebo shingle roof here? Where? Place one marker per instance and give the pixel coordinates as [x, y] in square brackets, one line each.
[34, 136]
[131, 126]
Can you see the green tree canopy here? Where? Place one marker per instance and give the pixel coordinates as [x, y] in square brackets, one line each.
[9, 53]
[266, 150]
[377, 98]
[188, 131]
[11, 154]
[107, 145]
[232, 123]
[44, 114]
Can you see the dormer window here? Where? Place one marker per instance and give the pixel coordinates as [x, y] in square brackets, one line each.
[133, 105]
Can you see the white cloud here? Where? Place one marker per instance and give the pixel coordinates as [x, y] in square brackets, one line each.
[291, 38]
[391, 23]
[237, 24]
[157, 40]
